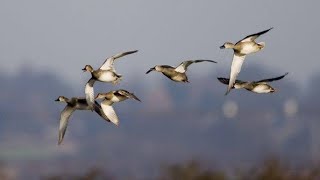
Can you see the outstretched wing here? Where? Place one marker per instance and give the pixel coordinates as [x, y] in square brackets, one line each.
[64, 118]
[235, 69]
[109, 112]
[98, 110]
[182, 68]
[273, 79]
[89, 91]
[252, 37]
[226, 81]
[108, 63]
[128, 94]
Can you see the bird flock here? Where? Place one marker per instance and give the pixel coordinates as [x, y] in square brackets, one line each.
[107, 73]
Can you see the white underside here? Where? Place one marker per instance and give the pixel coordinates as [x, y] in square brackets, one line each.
[115, 99]
[261, 89]
[248, 49]
[107, 76]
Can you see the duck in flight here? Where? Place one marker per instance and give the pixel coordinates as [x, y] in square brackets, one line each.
[261, 86]
[72, 105]
[112, 97]
[242, 48]
[178, 73]
[106, 73]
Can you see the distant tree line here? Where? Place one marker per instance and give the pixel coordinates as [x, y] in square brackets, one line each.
[270, 169]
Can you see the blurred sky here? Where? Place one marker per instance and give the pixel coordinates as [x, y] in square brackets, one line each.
[63, 36]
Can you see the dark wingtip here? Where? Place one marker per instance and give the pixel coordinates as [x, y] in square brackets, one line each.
[135, 97]
[227, 92]
[131, 52]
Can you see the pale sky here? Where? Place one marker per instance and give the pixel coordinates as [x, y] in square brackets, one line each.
[63, 36]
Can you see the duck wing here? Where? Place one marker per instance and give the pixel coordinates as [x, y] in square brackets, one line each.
[128, 94]
[252, 37]
[63, 123]
[272, 79]
[109, 112]
[108, 63]
[235, 69]
[89, 92]
[98, 110]
[226, 81]
[182, 68]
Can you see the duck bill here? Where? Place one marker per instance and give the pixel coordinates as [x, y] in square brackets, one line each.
[222, 47]
[57, 99]
[84, 70]
[272, 90]
[151, 69]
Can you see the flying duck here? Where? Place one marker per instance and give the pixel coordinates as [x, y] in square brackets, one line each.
[242, 48]
[261, 86]
[72, 105]
[106, 73]
[178, 73]
[112, 97]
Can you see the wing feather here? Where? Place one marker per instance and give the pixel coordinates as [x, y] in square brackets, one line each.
[226, 81]
[89, 91]
[128, 94]
[252, 37]
[98, 110]
[182, 68]
[235, 69]
[109, 112]
[272, 79]
[108, 63]
[63, 123]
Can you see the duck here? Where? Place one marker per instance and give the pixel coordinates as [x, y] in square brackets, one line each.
[75, 103]
[106, 73]
[260, 86]
[242, 48]
[112, 97]
[177, 74]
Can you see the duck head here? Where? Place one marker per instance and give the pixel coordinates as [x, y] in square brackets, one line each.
[62, 99]
[227, 45]
[87, 68]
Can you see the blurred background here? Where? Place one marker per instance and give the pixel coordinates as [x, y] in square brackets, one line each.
[178, 131]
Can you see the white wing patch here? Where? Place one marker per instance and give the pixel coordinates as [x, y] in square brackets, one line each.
[64, 118]
[108, 64]
[89, 91]
[109, 112]
[235, 69]
[181, 68]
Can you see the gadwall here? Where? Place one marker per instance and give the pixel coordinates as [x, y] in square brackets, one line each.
[112, 97]
[72, 105]
[178, 73]
[261, 86]
[242, 48]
